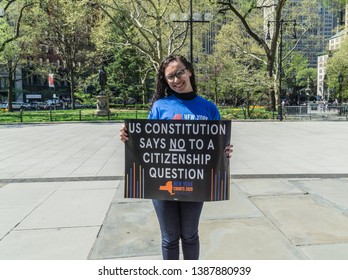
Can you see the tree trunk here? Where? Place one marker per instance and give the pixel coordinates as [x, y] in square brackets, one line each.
[272, 89]
[10, 86]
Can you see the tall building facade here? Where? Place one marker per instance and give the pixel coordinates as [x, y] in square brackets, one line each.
[315, 40]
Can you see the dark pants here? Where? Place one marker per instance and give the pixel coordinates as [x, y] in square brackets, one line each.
[179, 220]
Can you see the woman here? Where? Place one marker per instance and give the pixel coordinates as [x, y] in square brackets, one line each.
[176, 98]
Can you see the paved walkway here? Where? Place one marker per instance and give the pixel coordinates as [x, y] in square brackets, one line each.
[61, 195]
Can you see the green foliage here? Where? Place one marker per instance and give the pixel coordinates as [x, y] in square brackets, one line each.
[66, 27]
[130, 37]
[85, 99]
[335, 2]
[125, 73]
[246, 16]
[338, 64]
[116, 114]
[69, 115]
[146, 25]
[236, 72]
[13, 42]
[307, 77]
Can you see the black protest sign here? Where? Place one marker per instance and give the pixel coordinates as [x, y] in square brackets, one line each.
[177, 160]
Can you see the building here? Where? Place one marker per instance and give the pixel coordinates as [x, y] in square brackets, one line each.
[32, 80]
[36, 87]
[321, 74]
[333, 45]
[315, 40]
[4, 83]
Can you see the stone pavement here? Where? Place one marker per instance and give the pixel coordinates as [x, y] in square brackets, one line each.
[61, 195]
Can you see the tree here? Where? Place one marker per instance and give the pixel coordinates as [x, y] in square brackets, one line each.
[12, 40]
[337, 5]
[125, 75]
[234, 73]
[129, 70]
[245, 11]
[338, 65]
[65, 26]
[12, 12]
[150, 28]
[146, 25]
[331, 2]
[10, 56]
[299, 76]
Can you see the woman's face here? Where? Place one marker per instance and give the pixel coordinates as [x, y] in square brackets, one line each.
[178, 77]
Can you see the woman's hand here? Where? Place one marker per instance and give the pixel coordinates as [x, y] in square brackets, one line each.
[123, 134]
[228, 151]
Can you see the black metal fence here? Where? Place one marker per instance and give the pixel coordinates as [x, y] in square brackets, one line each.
[24, 116]
[318, 112]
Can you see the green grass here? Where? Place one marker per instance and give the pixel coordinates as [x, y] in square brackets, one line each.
[227, 113]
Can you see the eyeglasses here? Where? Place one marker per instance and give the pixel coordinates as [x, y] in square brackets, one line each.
[178, 74]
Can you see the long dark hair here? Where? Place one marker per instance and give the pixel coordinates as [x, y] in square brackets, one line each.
[162, 87]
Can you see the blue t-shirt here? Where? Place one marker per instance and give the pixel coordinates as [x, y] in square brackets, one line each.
[174, 108]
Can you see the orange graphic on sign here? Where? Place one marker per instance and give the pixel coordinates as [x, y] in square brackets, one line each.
[168, 187]
[177, 117]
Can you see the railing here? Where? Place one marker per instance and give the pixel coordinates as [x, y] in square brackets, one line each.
[24, 116]
[316, 112]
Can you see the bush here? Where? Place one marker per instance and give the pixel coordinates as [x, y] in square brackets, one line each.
[240, 113]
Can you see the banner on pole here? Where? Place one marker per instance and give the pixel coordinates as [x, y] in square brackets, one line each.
[177, 160]
[51, 80]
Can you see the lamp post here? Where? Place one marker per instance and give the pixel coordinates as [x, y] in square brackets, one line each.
[193, 18]
[340, 82]
[281, 22]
